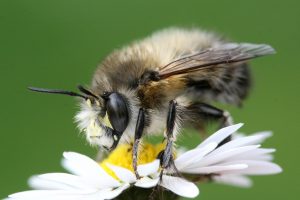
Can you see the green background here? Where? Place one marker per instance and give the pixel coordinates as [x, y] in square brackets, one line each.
[58, 43]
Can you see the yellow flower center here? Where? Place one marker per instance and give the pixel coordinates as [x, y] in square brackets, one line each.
[122, 156]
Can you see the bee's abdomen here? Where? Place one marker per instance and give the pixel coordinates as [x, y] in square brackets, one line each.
[229, 84]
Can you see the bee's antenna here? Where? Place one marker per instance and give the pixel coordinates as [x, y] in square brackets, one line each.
[54, 91]
[87, 92]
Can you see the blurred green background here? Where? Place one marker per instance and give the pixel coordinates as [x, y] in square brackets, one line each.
[58, 43]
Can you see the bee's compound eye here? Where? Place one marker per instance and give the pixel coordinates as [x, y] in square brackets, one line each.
[117, 111]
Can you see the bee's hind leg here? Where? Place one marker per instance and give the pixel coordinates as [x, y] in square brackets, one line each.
[208, 112]
[166, 156]
[137, 137]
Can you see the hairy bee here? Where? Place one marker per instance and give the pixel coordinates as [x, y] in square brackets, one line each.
[161, 83]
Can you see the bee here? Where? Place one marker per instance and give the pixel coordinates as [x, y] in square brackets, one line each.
[162, 83]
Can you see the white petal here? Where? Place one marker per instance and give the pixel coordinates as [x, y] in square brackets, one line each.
[212, 159]
[237, 135]
[180, 186]
[122, 173]
[234, 180]
[263, 136]
[45, 194]
[215, 169]
[244, 141]
[256, 168]
[194, 156]
[114, 193]
[57, 181]
[146, 182]
[34, 193]
[149, 168]
[89, 169]
[38, 183]
[69, 194]
[94, 195]
[256, 154]
[221, 134]
[80, 164]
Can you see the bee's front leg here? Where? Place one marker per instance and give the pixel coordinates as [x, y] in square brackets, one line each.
[166, 156]
[137, 137]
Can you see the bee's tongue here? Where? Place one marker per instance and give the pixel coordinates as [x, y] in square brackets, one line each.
[115, 135]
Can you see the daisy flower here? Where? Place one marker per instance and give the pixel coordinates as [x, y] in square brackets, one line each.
[228, 163]
[106, 180]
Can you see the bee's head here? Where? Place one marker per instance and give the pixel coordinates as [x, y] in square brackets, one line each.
[103, 118]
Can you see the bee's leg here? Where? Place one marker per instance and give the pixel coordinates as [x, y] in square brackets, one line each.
[137, 137]
[209, 112]
[166, 156]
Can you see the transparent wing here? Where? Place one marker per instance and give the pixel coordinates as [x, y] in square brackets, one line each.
[213, 57]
